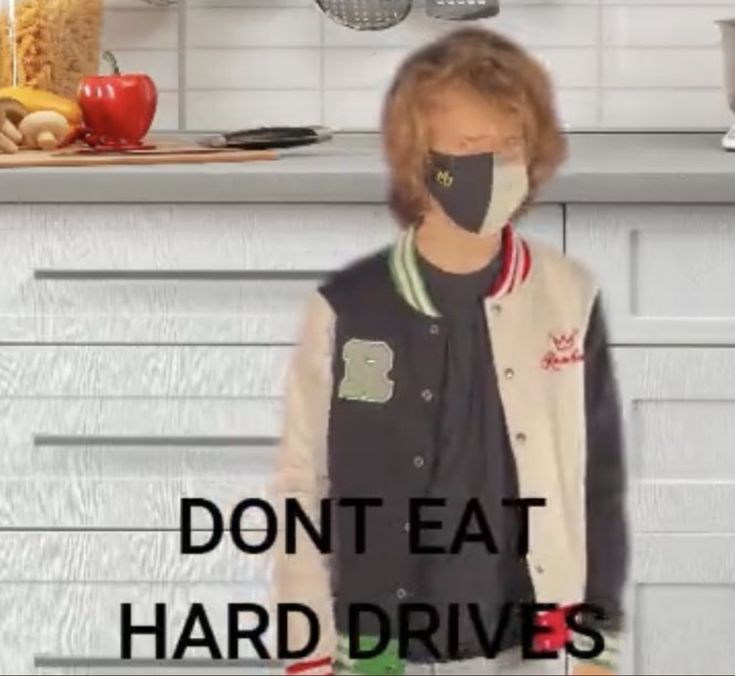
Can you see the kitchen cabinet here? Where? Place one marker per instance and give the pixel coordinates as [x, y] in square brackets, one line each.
[143, 349]
[666, 269]
[680, 412]
[667, 278]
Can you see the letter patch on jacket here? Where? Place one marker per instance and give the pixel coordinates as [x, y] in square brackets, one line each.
[367, 365]
[564, 351]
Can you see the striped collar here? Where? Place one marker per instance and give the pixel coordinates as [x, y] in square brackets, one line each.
[409, 283]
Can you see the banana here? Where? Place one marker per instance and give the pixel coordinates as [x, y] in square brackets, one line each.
[40, 99]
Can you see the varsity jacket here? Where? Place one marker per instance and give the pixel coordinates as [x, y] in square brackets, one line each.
[359, 408]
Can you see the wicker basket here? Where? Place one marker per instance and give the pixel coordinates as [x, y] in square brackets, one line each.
[49, 44]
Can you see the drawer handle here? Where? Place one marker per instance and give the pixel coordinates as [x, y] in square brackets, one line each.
[40, 440]
[178, 275]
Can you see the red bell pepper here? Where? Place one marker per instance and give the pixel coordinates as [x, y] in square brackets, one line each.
[118, 109]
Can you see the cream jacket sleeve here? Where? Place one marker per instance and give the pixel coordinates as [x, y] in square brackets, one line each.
[301, 472]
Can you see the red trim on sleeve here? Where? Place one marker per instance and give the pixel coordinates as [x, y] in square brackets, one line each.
[309, 665]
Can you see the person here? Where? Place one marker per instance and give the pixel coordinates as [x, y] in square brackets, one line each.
[464, 366]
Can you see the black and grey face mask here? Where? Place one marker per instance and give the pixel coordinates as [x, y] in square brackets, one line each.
[478, 192]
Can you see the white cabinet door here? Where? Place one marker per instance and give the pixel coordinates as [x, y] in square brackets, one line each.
[113, 437]
[680, 413]
[158, 273]
[667, 270]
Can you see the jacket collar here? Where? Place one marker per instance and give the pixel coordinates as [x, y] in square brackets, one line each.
[516, 264]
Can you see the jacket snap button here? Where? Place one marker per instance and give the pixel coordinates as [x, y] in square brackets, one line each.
[401, 593]
[434, 329]
[427, 395]
[509, 373]
[521, 438]
[418, 461]
[496, 309]
[539, 569]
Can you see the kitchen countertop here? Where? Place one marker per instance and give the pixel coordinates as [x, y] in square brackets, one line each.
[602, 167]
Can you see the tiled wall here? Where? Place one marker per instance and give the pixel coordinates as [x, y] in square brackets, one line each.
[146, 38]
[234, 63]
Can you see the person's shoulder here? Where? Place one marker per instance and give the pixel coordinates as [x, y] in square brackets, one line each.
[360, 283]
[564, 282]
[360, 271]
[552, 263]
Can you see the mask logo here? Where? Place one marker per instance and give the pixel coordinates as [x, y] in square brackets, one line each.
[444, 178]
[367, 365]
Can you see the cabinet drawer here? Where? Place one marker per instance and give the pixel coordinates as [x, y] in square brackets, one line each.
[667, 271]
[231, 273]
[114, 437]
[680, 410]
[172, 273]
[62, 595]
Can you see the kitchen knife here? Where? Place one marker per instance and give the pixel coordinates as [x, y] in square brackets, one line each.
[268, 137]
[462, 10]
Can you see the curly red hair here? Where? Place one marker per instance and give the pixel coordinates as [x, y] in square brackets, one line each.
[494, 67]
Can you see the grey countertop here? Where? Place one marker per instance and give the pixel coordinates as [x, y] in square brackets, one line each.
[602, 167]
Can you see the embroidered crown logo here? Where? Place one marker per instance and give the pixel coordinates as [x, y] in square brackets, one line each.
[444, 178]
[564, 342]
[564, 353]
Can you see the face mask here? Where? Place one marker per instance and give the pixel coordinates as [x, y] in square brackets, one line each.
[478, 192]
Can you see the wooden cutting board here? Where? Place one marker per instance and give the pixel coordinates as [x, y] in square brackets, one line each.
[164, 153]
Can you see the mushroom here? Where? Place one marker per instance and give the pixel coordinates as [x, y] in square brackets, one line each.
[44, 129]
[11, 114]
